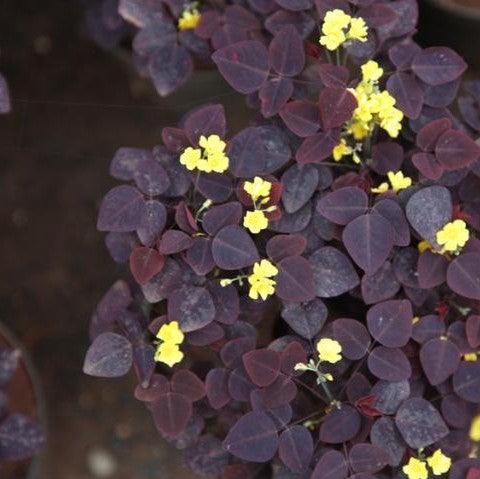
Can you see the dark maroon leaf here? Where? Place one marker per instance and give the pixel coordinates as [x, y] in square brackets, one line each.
[428, 136]
[121, 210]
[301, 117]
[293, 222]
[306, 319]
[390, 322]
[287, 56]
[295, 5]
[366, 457]
[389, 364]
[109, 356]
[152, 223]
[455, 150]
[145, 263]
[283, 246]
[174, 139]
[211, 333]
[472, 329]
[336, 107]
[408, 93]
[340, 425]
[333, 272]
[215, 186]
[295, 448]
[438, 65]
[463, 275]
[353, 336]
[402, 53]
[244, 65]
[185, 219]
[174, 241]
[333, 75]
[388, 396]
[232, 352]
[385, 434]
[440, 359]
[170, 67]
[456, 411]
[171, 413]
[199, 256]
[432, 269]
[429, 210]
[318, 147]
[163, 283]
[369, 240]
[466, 381]
[420, 423]
[386, 156]
[343, 205]
[428, 165]
[357, 387]
[20, 437]
[226, 301]
[216, 385]
[393, 212]
[303, 22]
[222, 215]
[281, 392]
[233, 248]
[205, 121]
[252, 438]
[332, 465]
[293, 354]
[188, 384]
[262, 365]
[157, 386]
[274, 94]
[295, 281]
[192, 307]
[299, 183]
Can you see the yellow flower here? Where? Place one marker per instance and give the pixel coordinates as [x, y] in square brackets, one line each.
[358, 30]
[453, 235]
[398, 181]
[415, 469]
[171, 333]
[423, 246]
[333, 40]
[189, 19]
[475, 429]
[381, 188]
[335, 20]
[168, 353]
[341, 150]
[359, 130]
[371, 72]
[329, 350]
[439, 463]
[472, 357]
[261, 284]
[258, 188]
[190, 158]
[255, 221]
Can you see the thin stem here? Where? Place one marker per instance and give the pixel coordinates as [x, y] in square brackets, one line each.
[337, 56]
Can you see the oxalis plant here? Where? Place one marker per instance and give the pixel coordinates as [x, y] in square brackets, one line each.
[303, 294]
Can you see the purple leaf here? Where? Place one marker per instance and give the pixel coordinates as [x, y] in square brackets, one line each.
[420, 423]
[303, 22]
[233, 248]
[287, 55]
[428, 165]
[389, 364]
[20, 438]
[440, 359]
[209, 334]
[336, 107]
[220, 216]
[428, 136]
[174, 241]
[472, 330]
[109, 356]
[343, 205]
[170, 67]
[126, 161]
[295, 448]
[332, 465]
[455, 150]
[226, 300]
[438, 65]
[353, 336]
[192, 307]
[199, 256]
[121, 210]
[299, 183]
[244, 65]
[333, 75]
[429, 210]
[306, 319]
[389, 395]
[402, 53]
[274, 94]
[393, 212]
[428, 327]
[369, 240]
[390, 322]
[385, 434]
[380, 286]
[340, 425]
[333, 272]
[280, 247]
[252, 438]
[301, 117]
[293, 222]
[215, 186]
[466, 381]
[408, 93]
[157, 386]
[205, 121]
[145, 263]
[463, 275]
[431, 269]
[262, 366]
[171, 413]
[295, 281]
[216, 387]
[152, 222]
[151, 178]
[232, 352]
[5, 104]
[188, 384]
[318, 147]
[386, 156]
[366, 457]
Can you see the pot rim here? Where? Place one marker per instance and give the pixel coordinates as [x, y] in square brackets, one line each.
[457, 9]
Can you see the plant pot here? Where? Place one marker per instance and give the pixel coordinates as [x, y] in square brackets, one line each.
[455, 22]
[25, 398]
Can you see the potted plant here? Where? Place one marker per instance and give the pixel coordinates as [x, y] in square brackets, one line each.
[303, 292]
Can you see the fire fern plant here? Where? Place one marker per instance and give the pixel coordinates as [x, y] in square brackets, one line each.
[304, 293]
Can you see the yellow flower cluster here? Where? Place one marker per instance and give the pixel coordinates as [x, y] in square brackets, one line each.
[339, 27]
[453, 236]
[261, 283]
[168, 351]
[417, 468]
[259, 190]
[397, 180]
[329, 350]
[189, 19]
[375, 107]
[210, 157]
[475, 429]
